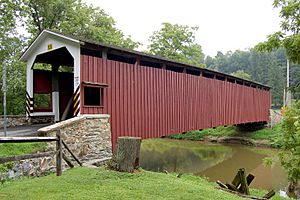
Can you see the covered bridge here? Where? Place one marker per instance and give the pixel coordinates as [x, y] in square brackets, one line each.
[145, 95]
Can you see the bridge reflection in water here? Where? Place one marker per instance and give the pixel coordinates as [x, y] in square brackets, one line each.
[214, 161]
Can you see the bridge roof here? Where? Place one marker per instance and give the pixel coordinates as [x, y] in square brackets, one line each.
[86, 43]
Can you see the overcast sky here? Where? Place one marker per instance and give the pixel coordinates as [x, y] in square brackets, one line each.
[224, 25]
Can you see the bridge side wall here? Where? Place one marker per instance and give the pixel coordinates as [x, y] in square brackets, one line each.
[150, 102]
[88, 136]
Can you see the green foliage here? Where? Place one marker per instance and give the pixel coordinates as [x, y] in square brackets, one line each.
[289, 36]
[76, 18]
[42, 100]
[199, 135]
[10, 12]
[11, 44]
[264, 67]
[68, 16]
[176, 42]
[241, 74]
[271, 134]
[90, 183]
[290, 142]
[15, 76]
[6, 166]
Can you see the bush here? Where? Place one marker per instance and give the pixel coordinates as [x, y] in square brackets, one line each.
[290, 142]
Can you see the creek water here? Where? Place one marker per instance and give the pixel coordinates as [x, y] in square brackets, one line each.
[214, 161]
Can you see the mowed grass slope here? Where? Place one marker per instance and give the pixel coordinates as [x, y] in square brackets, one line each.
[15, 149]
[91, 183]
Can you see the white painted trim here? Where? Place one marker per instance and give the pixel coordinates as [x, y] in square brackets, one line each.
[55, 105]
[95, 116]
[42, 114]
[62, 36]
[43, 34]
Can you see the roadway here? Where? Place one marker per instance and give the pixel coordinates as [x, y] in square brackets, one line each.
[21, 131]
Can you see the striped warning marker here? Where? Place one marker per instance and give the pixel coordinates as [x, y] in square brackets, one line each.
[76, 102]
[29, 104]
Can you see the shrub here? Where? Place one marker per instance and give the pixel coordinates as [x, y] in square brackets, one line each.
[290, 142]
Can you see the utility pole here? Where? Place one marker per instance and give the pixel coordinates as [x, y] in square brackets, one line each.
[288, 95]
[4, 97]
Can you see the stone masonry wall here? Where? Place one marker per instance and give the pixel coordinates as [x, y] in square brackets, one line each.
[30, 167]
[14, 120]
[20, 120]
[275, 118]
[88, 136]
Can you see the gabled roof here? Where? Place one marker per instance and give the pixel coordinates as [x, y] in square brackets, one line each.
[42, 35]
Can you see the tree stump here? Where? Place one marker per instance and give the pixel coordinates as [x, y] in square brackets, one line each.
[127, 155]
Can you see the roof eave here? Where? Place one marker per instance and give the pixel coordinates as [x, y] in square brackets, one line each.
[26, 53]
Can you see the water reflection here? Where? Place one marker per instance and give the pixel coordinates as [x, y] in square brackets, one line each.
[215, 161]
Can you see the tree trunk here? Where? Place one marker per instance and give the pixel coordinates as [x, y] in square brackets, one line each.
[127, 155]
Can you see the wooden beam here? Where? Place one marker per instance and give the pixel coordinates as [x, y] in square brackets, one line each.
[138, 60]
[222, 185]
[68, 161]
[59, 154]
[244, 186]
[250, 178]
[269, 194]
[27, 156]
[231, 187]
[104, 53]
[71, 152]
[26, 139]
[236, 181]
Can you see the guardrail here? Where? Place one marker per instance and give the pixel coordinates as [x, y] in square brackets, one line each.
[59, 153]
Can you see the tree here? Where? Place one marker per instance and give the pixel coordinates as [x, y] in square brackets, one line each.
[209, 62]
[241, 74]
[75, 18]
[264, 67]
[289, 35]
[68, 16]
[11, 44]
[177, 42]
[289, 38]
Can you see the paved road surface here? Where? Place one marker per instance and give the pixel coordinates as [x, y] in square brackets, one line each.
[20, 131]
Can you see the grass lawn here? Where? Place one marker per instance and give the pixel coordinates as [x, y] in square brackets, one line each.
[270, 134]
[14, 149]
[91, 183]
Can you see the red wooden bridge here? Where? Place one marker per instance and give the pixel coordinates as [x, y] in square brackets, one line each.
[146, 96]
[150, 102]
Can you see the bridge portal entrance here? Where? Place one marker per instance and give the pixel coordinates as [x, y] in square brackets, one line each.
[53, 84]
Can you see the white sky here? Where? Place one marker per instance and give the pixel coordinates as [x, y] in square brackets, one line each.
[223, 24]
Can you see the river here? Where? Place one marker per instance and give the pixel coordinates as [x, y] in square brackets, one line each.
[214, 161]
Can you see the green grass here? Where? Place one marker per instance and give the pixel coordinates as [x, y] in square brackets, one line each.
[14, 149]
[91, 183]
[199, 135]
[266, 133]
[269, 134]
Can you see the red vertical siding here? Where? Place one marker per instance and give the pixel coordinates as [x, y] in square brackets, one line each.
[150, 102]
